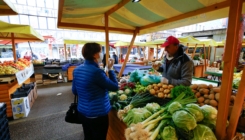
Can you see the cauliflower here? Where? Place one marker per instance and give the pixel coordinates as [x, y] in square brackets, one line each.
[120, 91]
[123, 97]
[127, 91]
[112, 94]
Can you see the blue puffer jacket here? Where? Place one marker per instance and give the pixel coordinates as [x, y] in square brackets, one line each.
[91, 85]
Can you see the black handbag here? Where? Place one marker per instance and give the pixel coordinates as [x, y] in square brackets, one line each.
[72, 115]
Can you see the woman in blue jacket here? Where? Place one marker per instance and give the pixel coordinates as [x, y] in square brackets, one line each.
[91, 84]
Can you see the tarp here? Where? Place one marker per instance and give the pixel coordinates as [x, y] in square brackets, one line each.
[7, 8]
[147, 15]
[209, 42]
[21, 32]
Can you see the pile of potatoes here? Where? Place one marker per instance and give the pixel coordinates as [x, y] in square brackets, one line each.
[207, 94]
[160, 90]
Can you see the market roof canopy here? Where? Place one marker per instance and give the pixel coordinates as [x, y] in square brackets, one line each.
[147, 15]
[21, 32]
[7, 8]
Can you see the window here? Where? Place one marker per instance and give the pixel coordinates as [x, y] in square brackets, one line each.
[42, 22]
[49, 3]
[4, 18]
[56, 4]
[31, 2]
[24, 20]
[34, 21]
[14, 19]
[21, 2]
[51, 23]
[40, 3]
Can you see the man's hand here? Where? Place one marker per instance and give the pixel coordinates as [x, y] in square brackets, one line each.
[164, 80]
[110, 63]
[156, 65]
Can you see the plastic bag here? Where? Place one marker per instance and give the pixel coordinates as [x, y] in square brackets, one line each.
[136, 75]
[150, 79]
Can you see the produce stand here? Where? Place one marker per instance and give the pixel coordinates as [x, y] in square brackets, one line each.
[131, 18]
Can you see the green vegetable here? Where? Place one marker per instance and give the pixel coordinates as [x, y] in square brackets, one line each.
[177, 90]
[195, 111]
[209, 112]
[202, 132]
[184, 120]
[120, 91]
[169, 133]
[209, 123]
[174, 106]
[136, 115]
[236, 83]
[152, 107]
[127, 91]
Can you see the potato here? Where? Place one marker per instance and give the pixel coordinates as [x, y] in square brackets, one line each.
[211, 96]
[194, 91]
[165, 86]
[198, 94]
[200, 100]
[210, 86]
[202, 86]
[201, 104]
[155, 88]
[194, 86]
[154, 84]
[216, 90]
[206, 96]
[170, 86]
[166, 91]
[159, 85]
[152, 92]
[204, 91]
[169, 95]
[160, 95]
[213, 103]
[211, 91]
[217, 96]
[206, 101]
[233, 97]
[161, 89]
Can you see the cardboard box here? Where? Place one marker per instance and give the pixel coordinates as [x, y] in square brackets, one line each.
[39, 81]
[31, 98]
[20, 107]
[46, 82]
[35, 92]
[53, 82]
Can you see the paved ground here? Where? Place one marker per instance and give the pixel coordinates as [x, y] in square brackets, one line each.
[46, 119]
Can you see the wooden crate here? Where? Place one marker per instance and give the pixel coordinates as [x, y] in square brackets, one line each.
[70, 72]
[116, 127]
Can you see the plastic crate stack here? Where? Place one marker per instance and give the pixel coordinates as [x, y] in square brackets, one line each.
[4, 128]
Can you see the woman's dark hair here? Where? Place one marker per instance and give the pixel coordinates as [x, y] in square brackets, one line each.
[90, 49]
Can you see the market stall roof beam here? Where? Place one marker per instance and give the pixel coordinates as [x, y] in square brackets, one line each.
[7, 8]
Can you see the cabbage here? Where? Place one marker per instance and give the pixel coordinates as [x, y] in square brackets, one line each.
[136, 115]
[169, 133]
[209, 112]
[202, 132]
[152, 107]
[184, 120]
[174, 106]
[196, 111]
[209, 123]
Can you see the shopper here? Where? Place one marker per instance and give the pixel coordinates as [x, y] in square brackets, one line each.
[177, 68]
[115, 57]
[104, 60]
[91, 85]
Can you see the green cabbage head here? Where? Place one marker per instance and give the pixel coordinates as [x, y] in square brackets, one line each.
[169, 133]
[184, 120]
[174, 106]
[195, 111]
[209, 112]
[202, 132]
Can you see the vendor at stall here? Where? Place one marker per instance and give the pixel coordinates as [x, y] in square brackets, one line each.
[177, 67]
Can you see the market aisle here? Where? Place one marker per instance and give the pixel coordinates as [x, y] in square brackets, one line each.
[46, 119]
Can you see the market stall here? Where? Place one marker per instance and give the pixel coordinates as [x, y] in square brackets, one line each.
[141, 18]
[7, 8]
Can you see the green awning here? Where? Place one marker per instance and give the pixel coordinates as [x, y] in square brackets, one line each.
[147, 15]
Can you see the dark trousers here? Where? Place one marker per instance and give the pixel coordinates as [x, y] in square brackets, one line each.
[95, 128]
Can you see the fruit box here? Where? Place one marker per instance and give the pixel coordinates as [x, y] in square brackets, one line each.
[20, 107]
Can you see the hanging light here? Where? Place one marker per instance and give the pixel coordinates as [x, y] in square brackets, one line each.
[136, 0]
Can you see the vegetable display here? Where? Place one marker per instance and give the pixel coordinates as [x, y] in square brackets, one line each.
[160, 90]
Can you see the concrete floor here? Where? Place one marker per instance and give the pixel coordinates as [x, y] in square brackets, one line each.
[46, 118]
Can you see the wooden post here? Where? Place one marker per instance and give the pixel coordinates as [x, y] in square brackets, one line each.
[187, 45]
[205, 62]
[237, 108]
[214, 53]
[128, 52]
[107, 38]
[144, 53]
[209, 50]
[65, 52]
[194, 52]
[234, 22]
[13, 46]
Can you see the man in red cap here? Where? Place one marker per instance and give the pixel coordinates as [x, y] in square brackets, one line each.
[177, 67]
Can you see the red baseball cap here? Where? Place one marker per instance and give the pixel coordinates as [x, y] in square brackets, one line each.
[170, 40]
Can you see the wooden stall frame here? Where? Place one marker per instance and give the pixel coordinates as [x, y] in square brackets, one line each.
[234, 22]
